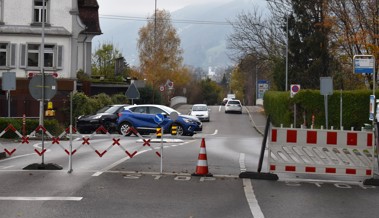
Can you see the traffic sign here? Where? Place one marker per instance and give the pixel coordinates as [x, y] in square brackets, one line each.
[132, 92]
[174, 115]
[295, 88]
[161, 88]
[158, 118]
[50, 87]
[9, 81]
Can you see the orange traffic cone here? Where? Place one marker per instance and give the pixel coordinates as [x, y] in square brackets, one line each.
[202, 163]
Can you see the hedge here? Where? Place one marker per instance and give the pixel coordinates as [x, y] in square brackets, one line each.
[355, 108]
[52, 126]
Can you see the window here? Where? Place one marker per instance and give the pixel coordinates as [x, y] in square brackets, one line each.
[7, 55]
[3, 54]
[38, 11]
[30, 56]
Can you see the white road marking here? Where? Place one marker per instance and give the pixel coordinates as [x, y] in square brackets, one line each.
[242, 162]
[249, 192]
[219, 108]
[107, 168]
[41, 198]
[251, 199]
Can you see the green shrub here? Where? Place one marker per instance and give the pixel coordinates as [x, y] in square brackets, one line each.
[355, 108]
[51, 125]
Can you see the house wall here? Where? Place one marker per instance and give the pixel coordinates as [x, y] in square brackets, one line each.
[63, 28]
[20, 12]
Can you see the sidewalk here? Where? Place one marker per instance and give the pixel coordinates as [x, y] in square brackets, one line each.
[257, 117]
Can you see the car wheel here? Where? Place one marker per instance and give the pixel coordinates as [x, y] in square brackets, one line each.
[179, 130]
[124, 128]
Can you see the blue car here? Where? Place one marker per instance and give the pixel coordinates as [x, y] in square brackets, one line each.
[141, 117]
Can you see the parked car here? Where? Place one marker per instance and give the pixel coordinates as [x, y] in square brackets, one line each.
[200, 111]
[106, 117]
[141, 117]
[233, 106]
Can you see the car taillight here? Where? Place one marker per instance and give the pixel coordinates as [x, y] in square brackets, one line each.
[119, 114]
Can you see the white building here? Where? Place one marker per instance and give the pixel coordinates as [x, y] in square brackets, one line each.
[66, 34]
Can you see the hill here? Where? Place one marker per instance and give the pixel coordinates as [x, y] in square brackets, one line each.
[204, 45]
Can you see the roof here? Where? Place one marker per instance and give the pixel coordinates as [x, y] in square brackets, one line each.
[89, 14]
[11, 29]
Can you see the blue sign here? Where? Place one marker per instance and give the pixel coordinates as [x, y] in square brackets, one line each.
[158, 118]
[364, 64]
[262, 88]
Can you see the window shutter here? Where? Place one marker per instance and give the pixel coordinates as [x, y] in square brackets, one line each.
[60, 57]
[13, 56]
[23, 56]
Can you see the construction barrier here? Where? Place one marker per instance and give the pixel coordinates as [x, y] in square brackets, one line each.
[80, 141]
[322, 152]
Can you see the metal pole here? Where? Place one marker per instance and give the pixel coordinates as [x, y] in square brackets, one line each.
[341, 111]
[42, 62]
[256, 84]
[287, 57]
[155, 43]
[162, 131]
[70, 156]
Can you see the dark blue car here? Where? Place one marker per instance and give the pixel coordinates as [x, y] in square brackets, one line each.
[141, 117]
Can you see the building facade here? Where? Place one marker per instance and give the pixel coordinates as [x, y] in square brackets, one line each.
[57, 35]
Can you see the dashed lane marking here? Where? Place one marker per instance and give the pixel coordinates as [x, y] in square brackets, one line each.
[249, 192]
[41, 198]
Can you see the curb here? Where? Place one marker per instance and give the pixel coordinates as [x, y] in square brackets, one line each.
[252, 120]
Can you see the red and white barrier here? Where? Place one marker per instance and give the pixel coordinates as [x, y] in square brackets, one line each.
[327, 152]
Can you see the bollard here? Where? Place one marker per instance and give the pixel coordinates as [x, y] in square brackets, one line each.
[174, 129]
[159, 132]
[23, 125]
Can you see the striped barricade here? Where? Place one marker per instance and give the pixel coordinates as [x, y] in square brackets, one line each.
[327, 152]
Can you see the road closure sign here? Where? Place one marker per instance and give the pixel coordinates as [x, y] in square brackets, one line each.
[364, 64]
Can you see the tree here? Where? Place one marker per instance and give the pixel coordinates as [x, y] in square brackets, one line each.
[160, 54]
[104, 62]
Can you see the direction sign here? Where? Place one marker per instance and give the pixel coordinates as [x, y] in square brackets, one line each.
[158, 118]
[364, 64]
[49, 88]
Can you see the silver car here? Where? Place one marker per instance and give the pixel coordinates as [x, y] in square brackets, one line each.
[200, 111]
[233, 106]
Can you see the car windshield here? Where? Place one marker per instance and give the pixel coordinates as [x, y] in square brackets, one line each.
[234, 102]
[199, 108]
[168, 109]
[108, 109]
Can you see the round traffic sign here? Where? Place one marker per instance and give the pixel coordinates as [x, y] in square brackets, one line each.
[158, 118]
[174, 115]
[295, 88]
[161, 88]
[49, 87]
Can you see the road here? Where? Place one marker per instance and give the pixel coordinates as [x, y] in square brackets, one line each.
[116, 176]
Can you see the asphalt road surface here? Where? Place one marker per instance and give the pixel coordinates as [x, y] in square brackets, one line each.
[116, 176]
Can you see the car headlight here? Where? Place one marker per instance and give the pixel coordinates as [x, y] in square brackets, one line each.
[188, 120]
[96, 117]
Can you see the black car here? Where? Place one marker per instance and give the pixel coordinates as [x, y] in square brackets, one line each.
[106, 117]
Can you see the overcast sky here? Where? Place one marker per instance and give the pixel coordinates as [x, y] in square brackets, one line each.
[145, 7]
